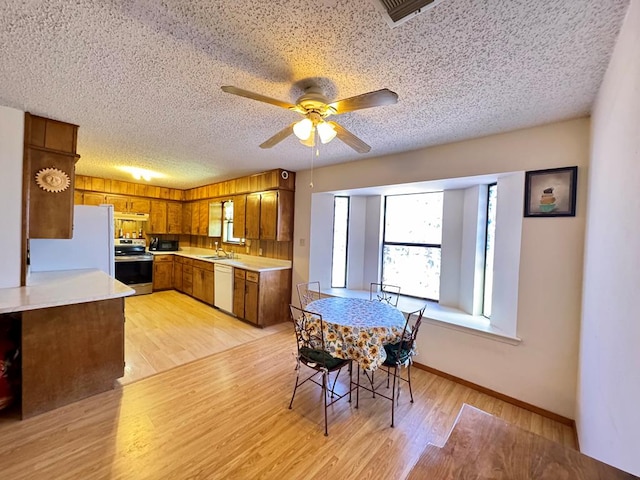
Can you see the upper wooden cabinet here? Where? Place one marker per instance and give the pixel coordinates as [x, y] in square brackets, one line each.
[128, 204]
[158, 217]
[186, 217]
[49, 172]
[269, 215]
[174, 217]
[239, 216]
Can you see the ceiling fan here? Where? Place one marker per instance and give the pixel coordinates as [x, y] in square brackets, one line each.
[315, 107]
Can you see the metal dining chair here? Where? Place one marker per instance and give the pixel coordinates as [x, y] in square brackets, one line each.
[384, 292]
[401, 354]
[308, 292]
[312, 353]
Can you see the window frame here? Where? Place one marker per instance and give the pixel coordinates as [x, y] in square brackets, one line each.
[402, 244]
[486, 244]
[333, 239]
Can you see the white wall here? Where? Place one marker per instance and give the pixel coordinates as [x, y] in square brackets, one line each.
[356, 242]
[608, 413]
[542, 369]
[11, 151]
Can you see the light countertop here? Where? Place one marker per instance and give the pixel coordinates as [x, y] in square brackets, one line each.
[246, 262]
[65, 287]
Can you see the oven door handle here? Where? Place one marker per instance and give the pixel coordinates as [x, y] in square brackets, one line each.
[129, 259]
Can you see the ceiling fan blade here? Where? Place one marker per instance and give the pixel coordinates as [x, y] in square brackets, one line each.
[257, 96]
[366, 100]
[278, 137]
[349, 138]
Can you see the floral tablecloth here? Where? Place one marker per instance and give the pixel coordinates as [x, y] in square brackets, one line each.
[357, 329]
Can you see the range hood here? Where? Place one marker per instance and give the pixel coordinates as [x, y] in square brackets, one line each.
[136, 217]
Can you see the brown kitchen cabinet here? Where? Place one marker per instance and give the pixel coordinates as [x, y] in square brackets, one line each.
[269, 215]
[158, 217]
[262, 298]
[91, 198]
[125, 204]
[203, 218]
[195, 218]
[203, 281]
[186, 217]
[162, 272]
[239, 216]
[174, 217]
[49, 171]
[187, 276]
[178, 263]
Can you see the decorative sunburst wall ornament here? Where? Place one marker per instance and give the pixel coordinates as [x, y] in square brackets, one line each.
[52, 180]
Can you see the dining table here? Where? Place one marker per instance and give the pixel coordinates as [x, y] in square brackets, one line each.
[357, 329]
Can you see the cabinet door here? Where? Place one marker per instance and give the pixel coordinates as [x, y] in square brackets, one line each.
[162, 275]
[90, 198]
[238, 292]
[252, 218]
[50, 214]
[174, 217]
[203, 218]
[207, 294]
[195, 218]
[139, 205]
[187, 279]
[239, 215]
[158, 217]
[186, 218]
[268, 215]
[198, 283]
[77, 198]
[120, 204]
[251, 301]
[177, 275]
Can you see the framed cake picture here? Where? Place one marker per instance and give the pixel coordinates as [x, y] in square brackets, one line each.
[551, 192]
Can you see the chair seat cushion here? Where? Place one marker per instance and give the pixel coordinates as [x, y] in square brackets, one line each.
[321, 357]
[396, 354]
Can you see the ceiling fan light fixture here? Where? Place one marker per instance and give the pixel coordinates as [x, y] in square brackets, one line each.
[326, 132]
[303, 129]
[309, 142]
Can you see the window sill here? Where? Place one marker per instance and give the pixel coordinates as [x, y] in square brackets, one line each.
[440, 316]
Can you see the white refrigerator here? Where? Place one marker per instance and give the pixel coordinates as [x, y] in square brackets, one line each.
[90, 247]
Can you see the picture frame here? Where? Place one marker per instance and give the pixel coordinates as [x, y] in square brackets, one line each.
[550, 192]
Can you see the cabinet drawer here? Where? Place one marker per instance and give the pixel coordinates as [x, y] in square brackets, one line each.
[253, 277]
[208, 266]
[238, 273]
[163, 258]
[187, 261]
[187, 270]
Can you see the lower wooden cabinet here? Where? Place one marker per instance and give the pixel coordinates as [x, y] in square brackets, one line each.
[162, 272]
[177, 273]
[187, 276]
[203, 281]
[262, 298]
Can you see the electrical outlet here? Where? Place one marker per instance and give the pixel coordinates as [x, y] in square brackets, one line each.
[302, 242]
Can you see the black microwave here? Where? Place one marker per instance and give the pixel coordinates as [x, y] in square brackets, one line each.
[163, 245]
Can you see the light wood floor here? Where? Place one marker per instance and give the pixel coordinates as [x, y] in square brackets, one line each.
[166, 329]
[226, 416]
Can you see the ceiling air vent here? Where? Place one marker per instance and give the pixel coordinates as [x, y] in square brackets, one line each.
[396, 12]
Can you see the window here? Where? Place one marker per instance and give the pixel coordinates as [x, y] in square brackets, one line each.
[340, 236]
[227, 224]
[412, 243]
[492, 201]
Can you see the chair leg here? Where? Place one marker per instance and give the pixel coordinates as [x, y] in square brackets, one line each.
[334, 382]
[409, 380]
[350, 379]
[358, 386]
[295, 386]
[324, 396]
[393, 396]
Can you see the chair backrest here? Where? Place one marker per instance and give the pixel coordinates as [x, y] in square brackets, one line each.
[383, 292]
[309, 330]
[308, 292]
[412, 325]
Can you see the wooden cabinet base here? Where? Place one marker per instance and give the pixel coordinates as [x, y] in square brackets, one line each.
[70, 352]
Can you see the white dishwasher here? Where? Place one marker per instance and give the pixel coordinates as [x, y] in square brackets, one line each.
[223, 287]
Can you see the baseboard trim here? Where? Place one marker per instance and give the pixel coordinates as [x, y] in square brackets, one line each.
[500, 396]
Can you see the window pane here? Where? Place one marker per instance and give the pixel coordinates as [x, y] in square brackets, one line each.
[490, 249]
[414, 218]
[340, 233]
[416, 270]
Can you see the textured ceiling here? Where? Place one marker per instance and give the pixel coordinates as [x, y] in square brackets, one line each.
[142, 78]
